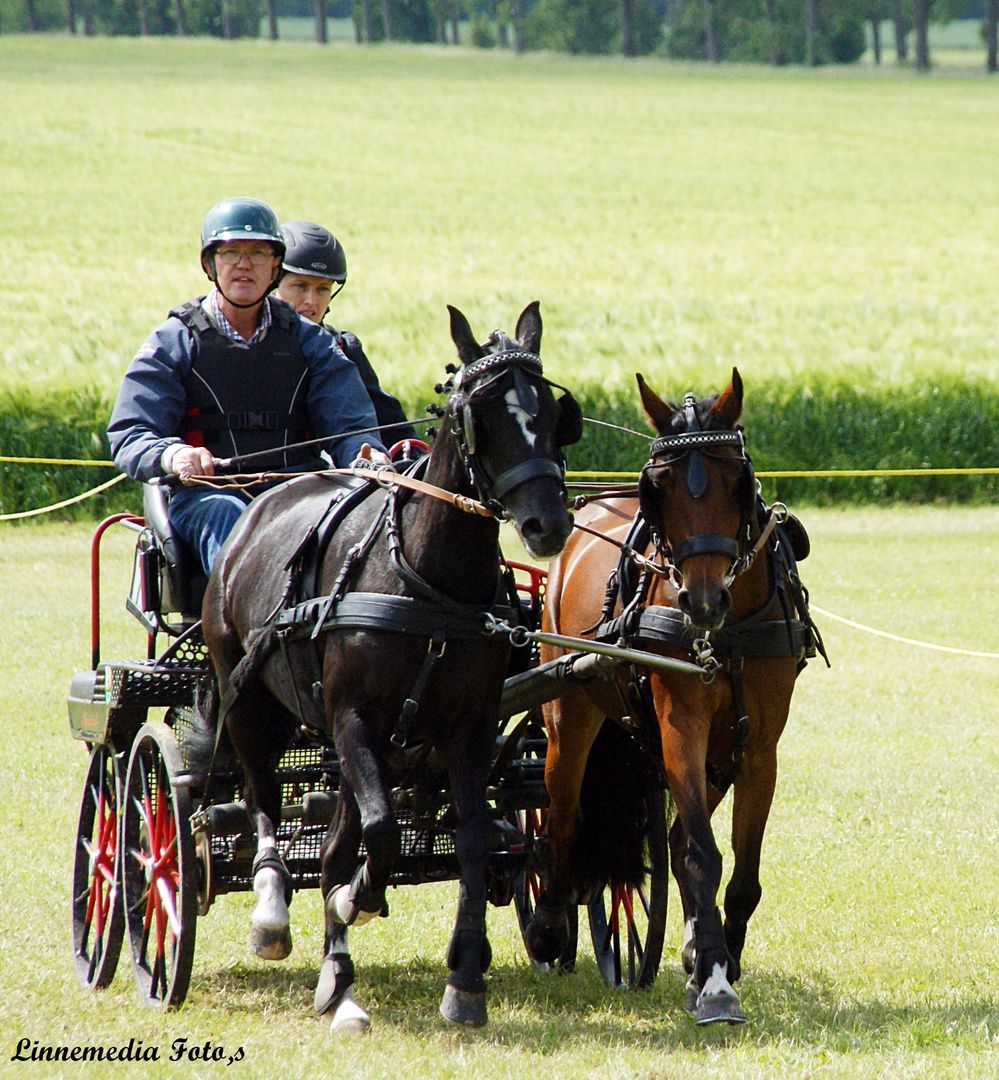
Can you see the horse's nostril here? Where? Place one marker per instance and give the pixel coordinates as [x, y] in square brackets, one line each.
[683, 601]
[532, 528]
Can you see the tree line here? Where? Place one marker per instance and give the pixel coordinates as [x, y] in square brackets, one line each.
[762, 31]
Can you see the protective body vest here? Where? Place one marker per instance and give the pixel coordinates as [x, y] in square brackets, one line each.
[244, 399]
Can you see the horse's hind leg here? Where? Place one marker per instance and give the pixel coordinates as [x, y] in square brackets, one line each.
[573, 723]
[334, 990]
[261, 729]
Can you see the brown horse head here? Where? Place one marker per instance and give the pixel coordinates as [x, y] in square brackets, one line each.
[697, 492]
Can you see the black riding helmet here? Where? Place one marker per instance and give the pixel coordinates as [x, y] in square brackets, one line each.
[313, 251]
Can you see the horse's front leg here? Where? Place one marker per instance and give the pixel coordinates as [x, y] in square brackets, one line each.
[710, 997]
[467, 755]
[753, 794]
[334, 990]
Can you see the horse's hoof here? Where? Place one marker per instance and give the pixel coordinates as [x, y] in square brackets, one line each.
[349, 1019]
[547, 935]
[718, 1003]
[269, 943]
[462, 1007]
[719, 1010]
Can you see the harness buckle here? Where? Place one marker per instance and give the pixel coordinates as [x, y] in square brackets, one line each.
[704, 654]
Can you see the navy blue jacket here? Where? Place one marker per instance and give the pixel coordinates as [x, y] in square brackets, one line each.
[387, 408]
[152, 402]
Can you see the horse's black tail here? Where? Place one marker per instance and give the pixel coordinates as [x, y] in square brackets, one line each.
[618, 799]
[200, 738]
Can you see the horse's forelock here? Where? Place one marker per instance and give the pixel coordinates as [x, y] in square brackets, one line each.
[705, 417]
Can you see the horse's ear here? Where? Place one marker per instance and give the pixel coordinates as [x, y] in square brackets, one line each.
[529, 328]
[461, 334]
[658, 412]
[728, 407]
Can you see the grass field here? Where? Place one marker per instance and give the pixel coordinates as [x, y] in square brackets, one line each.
[874, 954]
[671, 218]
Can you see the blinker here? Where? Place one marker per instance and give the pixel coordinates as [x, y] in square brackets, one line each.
[527, 396]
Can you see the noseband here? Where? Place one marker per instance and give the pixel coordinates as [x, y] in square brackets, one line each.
[694, 444]
[477, 381]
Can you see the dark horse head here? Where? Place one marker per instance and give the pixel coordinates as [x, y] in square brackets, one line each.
[504, 431]
[698, 493]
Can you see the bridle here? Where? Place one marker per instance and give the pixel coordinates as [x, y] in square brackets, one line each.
[475, 382]
[694, 444]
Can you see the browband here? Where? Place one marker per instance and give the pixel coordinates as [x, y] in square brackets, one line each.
[694, 440]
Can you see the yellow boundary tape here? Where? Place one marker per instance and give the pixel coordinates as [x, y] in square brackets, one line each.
[816, 473]
[66, 502]
[903, 640]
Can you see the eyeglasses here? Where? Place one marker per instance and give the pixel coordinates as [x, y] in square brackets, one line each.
[257, 256]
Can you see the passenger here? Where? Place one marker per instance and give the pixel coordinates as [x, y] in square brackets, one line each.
[314, 263]
[234, 373]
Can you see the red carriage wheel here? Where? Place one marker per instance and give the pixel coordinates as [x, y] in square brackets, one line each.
[98, 913]
[159, 869]
[528, 887]
[628, 923]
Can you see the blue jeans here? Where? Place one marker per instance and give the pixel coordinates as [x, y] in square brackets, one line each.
[203, 518]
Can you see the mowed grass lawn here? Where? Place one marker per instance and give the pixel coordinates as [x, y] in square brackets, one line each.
[674, 219]
[874, 953]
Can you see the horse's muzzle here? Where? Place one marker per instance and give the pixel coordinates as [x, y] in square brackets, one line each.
[705, 610]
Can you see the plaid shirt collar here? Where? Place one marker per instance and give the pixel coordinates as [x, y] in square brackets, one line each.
[211, 305]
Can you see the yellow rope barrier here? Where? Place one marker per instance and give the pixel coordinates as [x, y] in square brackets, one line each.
[58, 461]
[814, 473]
[66, 502]
[903, 640]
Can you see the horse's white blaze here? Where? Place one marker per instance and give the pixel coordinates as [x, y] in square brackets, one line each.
[522, 416]
[271, 911]
[718, 984]
[348, 1017]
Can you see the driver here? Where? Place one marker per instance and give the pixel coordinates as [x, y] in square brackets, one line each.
[236, 372]
[314, 263]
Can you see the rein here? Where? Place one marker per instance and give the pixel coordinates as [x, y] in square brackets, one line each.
[381, 475]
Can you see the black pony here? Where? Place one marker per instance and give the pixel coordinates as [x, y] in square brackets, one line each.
[418, 573]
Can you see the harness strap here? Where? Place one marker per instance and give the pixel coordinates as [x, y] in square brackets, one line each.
[705, 544]
[721, 779]
[410, 707]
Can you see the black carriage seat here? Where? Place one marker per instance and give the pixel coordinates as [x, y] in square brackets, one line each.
[168, 579]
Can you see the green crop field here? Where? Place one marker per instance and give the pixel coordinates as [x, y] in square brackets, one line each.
[807, 226]
[874, 953]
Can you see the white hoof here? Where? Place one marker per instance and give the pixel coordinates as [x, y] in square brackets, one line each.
[717, 1001]
[270, 934]
[349, 1018]
[339, 906]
